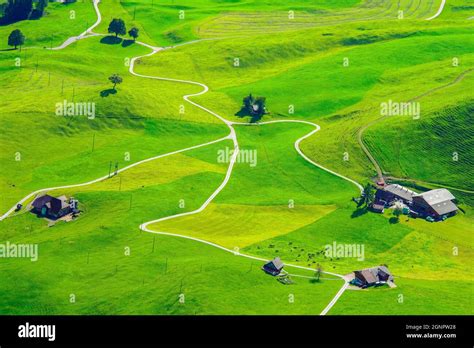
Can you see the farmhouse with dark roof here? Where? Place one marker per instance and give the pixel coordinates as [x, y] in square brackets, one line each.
[372, 277]
[394, 192]
[52, 207]
[432, 205]
[273, 267]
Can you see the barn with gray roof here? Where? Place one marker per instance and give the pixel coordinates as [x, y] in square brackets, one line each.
[436, 203]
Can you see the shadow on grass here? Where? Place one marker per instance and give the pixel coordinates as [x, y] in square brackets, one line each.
[106, 92]
[126, 43]
[111, 40]
[244, 113]
[359, 212]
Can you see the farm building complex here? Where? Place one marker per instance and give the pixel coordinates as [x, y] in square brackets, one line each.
[434, 204]
[374, 276]
[52, 207]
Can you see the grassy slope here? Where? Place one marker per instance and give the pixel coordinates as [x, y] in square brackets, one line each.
[162, 22]
[449, 132]
[308, 74]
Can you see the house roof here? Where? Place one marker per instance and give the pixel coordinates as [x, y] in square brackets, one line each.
[368, 275]
[444, 207]
[277, 263]
[434, 197]
[52, 203]
[39, 202]
[383, 269]
[371, 275]
[400, 191]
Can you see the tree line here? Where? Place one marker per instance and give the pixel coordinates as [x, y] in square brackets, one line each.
[18, 10]
[116, 26]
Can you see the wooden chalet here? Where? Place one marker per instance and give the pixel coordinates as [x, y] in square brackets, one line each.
[51, 207]
[372, 277]
[273, 267]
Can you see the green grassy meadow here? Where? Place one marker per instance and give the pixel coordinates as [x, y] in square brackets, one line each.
[328, 62]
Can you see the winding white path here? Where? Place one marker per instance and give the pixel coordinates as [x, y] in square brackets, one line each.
[297, 146]
[88, 33]
[440, 10]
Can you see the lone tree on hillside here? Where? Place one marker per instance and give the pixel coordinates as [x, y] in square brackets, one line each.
[16, 38]
[254, 106]
[115, 79]
[133, 33]
[117, 27]
[319, 271]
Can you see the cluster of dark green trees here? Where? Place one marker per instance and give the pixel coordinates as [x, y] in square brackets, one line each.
[367, 196]
[18, 10]
[254, 106]
[117, 27]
